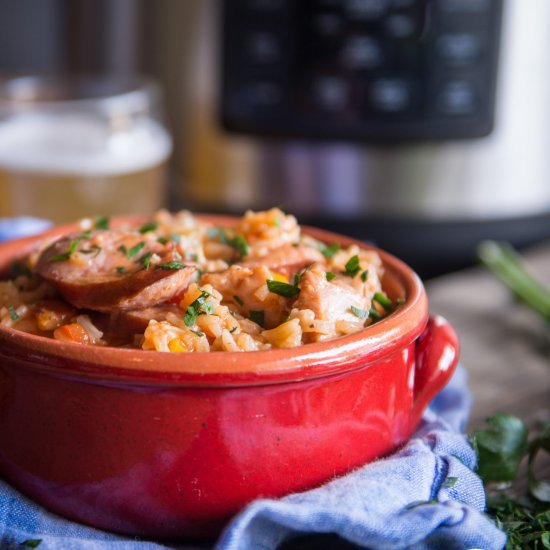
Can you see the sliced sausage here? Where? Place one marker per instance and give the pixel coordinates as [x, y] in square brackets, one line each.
[286, 259]
[114, 269]
[135, 321]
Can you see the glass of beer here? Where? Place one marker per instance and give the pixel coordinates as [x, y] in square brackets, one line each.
[76, 147]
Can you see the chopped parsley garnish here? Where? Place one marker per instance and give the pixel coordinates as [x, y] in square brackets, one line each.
[330, 250]
[240, 244]
[197, 332]
[145, 260]
[383, 300]
[233, 330]
[365, 275]
[102, 222]
[162, 240]
[217, 233]
[174, 265]
[31, 543]
[330, 276]
[66, 255]
[238, 300]
[131, 252]
[93, 250]
[358, 312]
[282, 289]
[257, 317]
[196, 308]
[366, 313]
[146, 227]
[450, 482]
[501, 448]
[13, 314]
[121, 269]
[352, 266]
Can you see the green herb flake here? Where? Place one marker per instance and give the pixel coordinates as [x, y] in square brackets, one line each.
[146, 227]
[217, 233]
[31, 543]
[233, 330]
[196, 308]
[197, 332]
[257, 317]
[13, 314]
[102, 222]
[66, 255]
[282, 289]
[374, 315]
[240, 244]
[383, 300]
[121, 269]
[352, 266]
[365, 275]
[361, 313]
[174, 265]
[145, 260]
[330, 250]
[330, 276]
[131, 252]
[238, 300]
[162, 240]
[95, 250]
[450, 482]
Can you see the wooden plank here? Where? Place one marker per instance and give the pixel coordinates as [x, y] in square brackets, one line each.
[505, 347]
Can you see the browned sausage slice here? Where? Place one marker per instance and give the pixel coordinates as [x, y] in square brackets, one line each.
[114, 269]
[286, 259]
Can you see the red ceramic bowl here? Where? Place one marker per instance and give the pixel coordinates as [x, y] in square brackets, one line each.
[173, 445]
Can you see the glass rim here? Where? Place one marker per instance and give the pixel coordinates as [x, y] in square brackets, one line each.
[112, 94]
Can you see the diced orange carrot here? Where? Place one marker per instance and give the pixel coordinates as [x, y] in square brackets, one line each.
[73, 332]
[177, 345]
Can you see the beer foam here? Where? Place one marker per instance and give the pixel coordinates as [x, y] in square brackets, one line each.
[64, 144]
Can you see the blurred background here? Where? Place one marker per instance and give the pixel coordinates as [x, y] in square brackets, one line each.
[420, 125]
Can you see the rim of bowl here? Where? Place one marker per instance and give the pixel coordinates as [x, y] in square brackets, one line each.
[220, 368]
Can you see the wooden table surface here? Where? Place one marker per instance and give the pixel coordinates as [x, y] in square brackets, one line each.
[504, 345]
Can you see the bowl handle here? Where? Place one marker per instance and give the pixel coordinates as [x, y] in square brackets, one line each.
[437, 351]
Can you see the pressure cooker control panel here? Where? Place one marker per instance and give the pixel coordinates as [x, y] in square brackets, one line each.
[369, 70]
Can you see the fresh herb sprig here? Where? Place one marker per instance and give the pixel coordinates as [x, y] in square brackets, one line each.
[133, 251]
[501, 448]
[504, 262]
[64, 256]
[352, 266]
[239, 242]
[283, 289]
[198, 307]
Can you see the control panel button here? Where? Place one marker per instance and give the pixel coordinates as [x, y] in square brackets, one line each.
[400, 26]
[458, 49]
[331, 93]
[328, 24]
[264, 47]
[362, 52]
[258, 96]
[391, 95]
[457, 97]
[366, 9]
